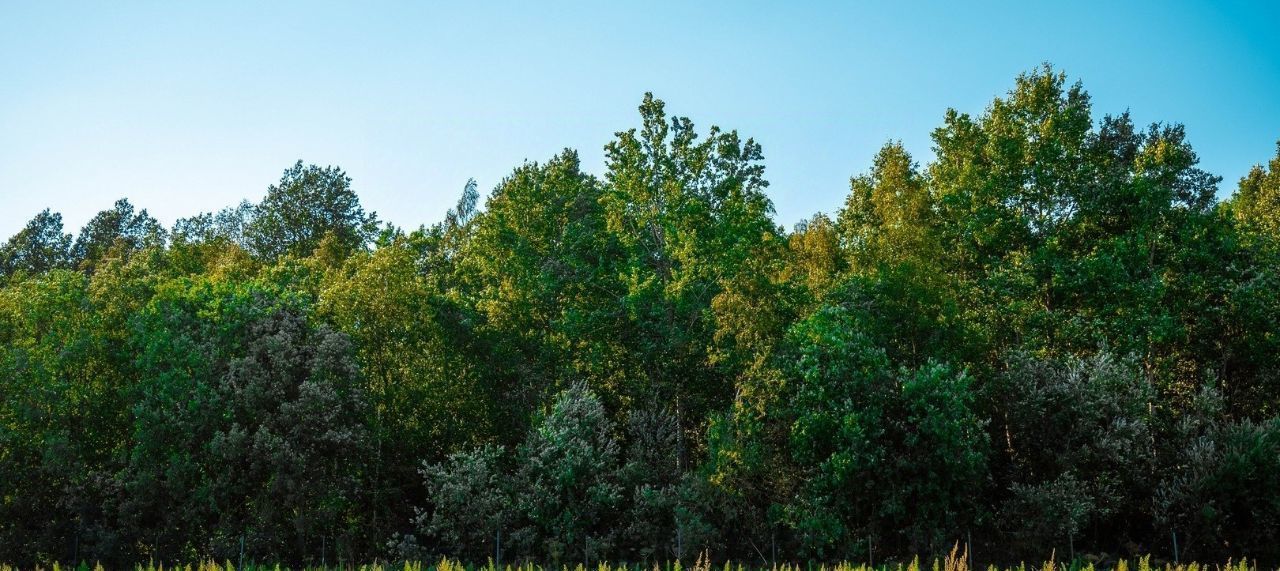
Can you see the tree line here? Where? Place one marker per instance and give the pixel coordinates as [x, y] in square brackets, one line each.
[1052, 336]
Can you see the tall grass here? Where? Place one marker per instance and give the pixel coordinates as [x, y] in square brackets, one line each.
[956, 560]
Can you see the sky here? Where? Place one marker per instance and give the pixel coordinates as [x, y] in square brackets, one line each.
[185, 107]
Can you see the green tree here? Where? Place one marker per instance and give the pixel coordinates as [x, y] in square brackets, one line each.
[569, 479]
[227, 225]
[888, 217]
[1220, 502]
[541, 273]
[894, 454]
[471, 503]
[1079, 434]
[423, 371]
[1256, 204]
[439, 246]
[39, 247]
[64, 385]
[248, 428]
[816, 258]
[116, 233]
[692, 221]
[307, 204]
[1063, 235]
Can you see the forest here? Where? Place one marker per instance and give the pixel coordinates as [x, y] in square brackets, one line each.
[1053, 336]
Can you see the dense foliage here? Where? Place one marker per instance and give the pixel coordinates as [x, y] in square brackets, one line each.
[1051, 336]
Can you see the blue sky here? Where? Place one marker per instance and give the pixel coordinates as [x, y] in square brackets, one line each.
[186, 107]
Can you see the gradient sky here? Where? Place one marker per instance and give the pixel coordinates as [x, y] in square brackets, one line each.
[185, 108]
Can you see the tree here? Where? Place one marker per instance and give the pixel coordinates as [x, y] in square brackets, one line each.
[471, 503]
[1079, 434]
[1256, 204]
[690, 218]
[228, 225]
[115, 233]
[542, 274]
[423, 371]
[816, 258]
[940, 458]
[651, 525]
[1142, 238]
[898, 455]
[306, 205]
[888, 218]
[1246, 254]
[248, 429]
[295, 441]
[1058, 229]
[39, 247]
[568, 478]
[63, 419]
[838, 418]
[1215, 503]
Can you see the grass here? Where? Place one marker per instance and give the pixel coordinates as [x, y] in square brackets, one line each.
[956, 560]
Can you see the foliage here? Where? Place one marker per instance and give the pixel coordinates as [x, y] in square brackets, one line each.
[1257, 204]
[115, 233]
[306, 205]
[243, 410]
[568, 478]
[1050, 336]
[38, 248]
[1080, 437]
[471, 501]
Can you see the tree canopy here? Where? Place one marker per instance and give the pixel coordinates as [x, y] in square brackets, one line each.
[1051, 335]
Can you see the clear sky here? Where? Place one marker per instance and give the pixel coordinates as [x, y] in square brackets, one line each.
[186, 107]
